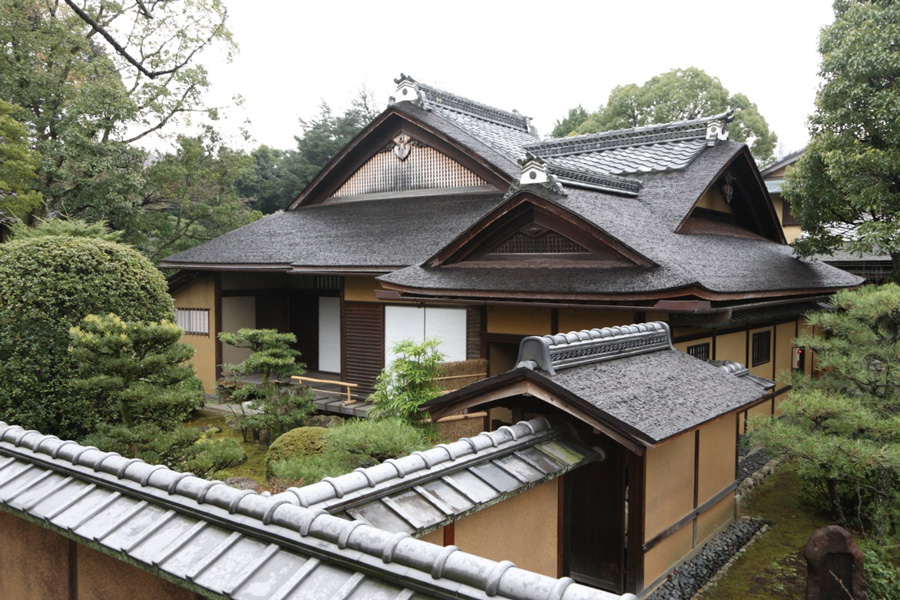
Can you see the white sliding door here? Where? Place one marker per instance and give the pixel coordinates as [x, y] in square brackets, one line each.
[419, 324]
[330, 334]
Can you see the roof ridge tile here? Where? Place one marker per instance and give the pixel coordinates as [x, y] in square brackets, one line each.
[564, 350]
[429, 95]
[695, 129]
[416, 558]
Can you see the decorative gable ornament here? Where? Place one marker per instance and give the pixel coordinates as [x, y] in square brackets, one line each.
[535, 172]
[402, 144]
[406, 89]
[717, 129]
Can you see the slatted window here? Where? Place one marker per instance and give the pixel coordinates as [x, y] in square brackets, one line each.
[194, 321]
[761, 347]
[700, 351]
[328, 282]
[424, 169]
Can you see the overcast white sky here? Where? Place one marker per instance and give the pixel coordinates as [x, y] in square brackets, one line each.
[540, 58]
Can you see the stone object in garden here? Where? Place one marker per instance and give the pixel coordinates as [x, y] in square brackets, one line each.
[834, 566]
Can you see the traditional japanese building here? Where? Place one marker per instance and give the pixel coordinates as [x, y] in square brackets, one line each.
[446, 217]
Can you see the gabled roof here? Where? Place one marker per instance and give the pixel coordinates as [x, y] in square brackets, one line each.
[708, 266]
[641, 187]
[224, 542]
[427, 490]
[628, 382]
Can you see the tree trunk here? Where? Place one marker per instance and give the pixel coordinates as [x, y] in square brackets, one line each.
[836, 501]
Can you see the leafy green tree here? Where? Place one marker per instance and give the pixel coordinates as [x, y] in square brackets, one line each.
[568, 126]
[842, 429]
[845, 190]
[190, 197]
[89, 96]
[138, 366]
[409, 381]
[18, 164]
[279, 175]
[50, 284]
[270, 409]
[678, 95]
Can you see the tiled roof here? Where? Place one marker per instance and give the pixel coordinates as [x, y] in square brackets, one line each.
[565, 350]
[505, 131]
[670, 156]
[239, 544]
[427, 490]
[782, 162]
[665, 147]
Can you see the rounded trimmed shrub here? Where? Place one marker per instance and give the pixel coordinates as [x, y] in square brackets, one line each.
[47, 285]
[302, 441]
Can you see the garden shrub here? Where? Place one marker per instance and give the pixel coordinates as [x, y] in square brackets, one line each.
[356, 443]
[882, 567]
[409, 381]
[302, 441]
[50, 284]
[183, 449]
[272, 407]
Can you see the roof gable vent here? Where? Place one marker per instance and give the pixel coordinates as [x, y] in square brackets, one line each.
[564, 350]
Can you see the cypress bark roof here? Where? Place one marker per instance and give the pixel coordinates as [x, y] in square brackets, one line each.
[666, 169]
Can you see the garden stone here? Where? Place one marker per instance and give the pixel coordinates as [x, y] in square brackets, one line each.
[834, 566]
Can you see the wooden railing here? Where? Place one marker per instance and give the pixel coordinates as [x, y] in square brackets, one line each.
[343, 384]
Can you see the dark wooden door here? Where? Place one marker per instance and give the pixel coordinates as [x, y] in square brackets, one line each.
[305, 325]
[594, 520]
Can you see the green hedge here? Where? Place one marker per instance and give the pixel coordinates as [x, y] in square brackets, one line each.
[48, 285]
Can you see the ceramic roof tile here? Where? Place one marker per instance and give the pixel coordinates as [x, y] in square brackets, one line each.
[235, 543]
[441, 485]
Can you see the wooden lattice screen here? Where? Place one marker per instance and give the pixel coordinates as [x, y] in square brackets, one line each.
[423, 168]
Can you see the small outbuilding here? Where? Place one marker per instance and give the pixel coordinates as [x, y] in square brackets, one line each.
[666, 427]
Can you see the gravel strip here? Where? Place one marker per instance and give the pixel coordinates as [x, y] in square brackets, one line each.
[718, 554]
[751, 463]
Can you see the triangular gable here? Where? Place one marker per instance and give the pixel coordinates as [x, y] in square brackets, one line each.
[398, 155]
[734, 203]
[532, 230]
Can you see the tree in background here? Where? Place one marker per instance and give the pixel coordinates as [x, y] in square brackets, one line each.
[71, 66]
[190, 197]
[677, 95]
[279, 175]
[50, 284]
[845, 189]
[71, 228]
[409, 381]
[139, 367]
[268, 410]
[842, 429]
[18, 164]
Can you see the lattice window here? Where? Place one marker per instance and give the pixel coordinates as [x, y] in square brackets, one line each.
[422, 168]
[700, 351]
[545, 242]
[761, 347]
[194, 321]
